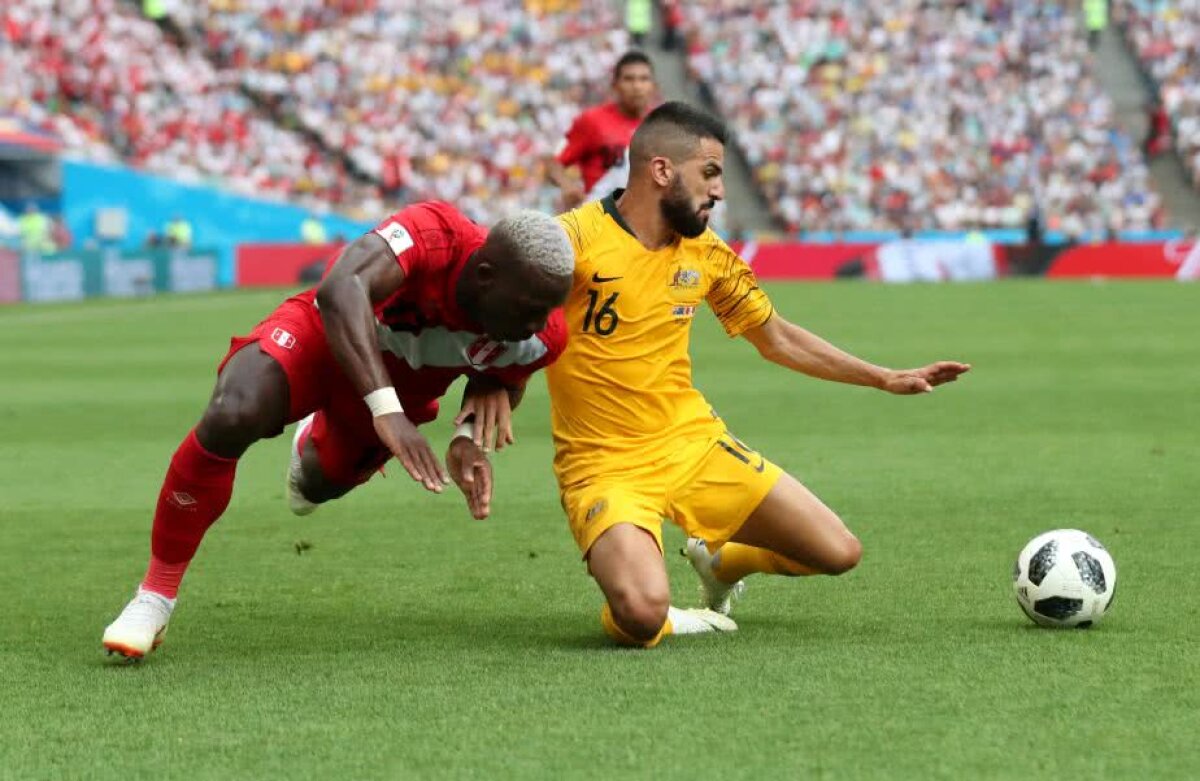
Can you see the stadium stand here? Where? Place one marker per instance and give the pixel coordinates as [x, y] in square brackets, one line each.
[906, 115]
[1166, 38]
[861, 116]
[453, 100]
[115, 87]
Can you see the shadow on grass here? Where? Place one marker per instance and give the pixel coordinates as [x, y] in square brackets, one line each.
[281, 629]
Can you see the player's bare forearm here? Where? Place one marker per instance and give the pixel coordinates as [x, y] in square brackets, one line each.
[555, 172]
[365, 274]
[567, 181]
[789, 345]
[798, 349]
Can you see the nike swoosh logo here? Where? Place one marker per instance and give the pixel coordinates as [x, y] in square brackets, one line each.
[597, 278]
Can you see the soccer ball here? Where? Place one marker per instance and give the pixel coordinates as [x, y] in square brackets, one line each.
[1065, 578]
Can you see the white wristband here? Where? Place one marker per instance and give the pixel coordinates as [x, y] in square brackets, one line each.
[383, 401]
[465, 430]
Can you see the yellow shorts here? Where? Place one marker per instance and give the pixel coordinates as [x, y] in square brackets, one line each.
[707, 487]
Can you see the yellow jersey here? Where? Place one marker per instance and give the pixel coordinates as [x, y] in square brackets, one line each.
[621, 393]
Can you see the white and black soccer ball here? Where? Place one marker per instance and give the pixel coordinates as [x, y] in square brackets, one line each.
[1065, 578]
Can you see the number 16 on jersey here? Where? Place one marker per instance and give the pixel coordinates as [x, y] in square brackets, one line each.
[603, 320]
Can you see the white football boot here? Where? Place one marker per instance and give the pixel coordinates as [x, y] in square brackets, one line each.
[141, 626]
[697, 621]
[296, 501]
[717, 595]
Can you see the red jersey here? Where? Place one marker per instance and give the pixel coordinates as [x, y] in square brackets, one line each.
[428, 341]
[597, 141]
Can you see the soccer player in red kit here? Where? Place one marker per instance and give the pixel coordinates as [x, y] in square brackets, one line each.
[598, 139]
[361, 360]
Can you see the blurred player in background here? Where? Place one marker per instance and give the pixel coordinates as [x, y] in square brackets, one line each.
[635, 441]
[361, 360]
[597, 141]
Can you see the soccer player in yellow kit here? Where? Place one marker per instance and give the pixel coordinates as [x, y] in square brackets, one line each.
[635, 441]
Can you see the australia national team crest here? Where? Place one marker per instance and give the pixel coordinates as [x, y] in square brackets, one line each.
[685, 278]
[483, 352]
[683, 286]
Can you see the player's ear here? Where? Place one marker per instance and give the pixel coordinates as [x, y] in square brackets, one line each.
[485, 273]
[663, 171]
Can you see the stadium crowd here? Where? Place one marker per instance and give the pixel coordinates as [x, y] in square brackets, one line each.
[452, 99]
[114, 86]
[1166, 37]
[912, 114]
[904, 115]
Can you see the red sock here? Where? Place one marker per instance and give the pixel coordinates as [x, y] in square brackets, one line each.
[193, 496]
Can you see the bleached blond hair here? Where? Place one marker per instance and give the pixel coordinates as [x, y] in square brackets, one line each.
[537, 240]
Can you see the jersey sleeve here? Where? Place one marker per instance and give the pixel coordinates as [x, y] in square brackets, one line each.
[400, 231]
[553, 339]
[574, 146]
[735, 297]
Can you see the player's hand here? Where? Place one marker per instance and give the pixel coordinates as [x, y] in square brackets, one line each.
[411, 449]
[572, 194]
[906, 382]
[472, 473]
[493, 418]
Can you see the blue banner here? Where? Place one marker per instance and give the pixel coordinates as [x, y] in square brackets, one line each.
[71, 276]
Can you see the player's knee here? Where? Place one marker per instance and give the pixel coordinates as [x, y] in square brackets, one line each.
[640, 613]
[234, 415]
[844, 556]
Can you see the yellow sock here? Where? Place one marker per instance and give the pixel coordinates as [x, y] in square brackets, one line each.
[622, 637]
[735, 561]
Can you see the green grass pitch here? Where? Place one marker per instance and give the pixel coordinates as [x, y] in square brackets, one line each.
[412, 642]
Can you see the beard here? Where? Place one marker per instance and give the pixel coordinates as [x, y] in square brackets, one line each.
[677, 210]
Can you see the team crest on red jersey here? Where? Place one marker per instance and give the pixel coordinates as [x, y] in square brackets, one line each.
[283, 338]
[484, 351]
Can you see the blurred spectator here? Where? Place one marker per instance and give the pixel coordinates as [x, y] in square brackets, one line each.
[178, 232]
[153, 240]
[639, 17]
[60, 234]
[1158, 130]
[35, 227]
[312, 231]
[672, 18]
[1095, 16]
[1033, 227]
[154, 10]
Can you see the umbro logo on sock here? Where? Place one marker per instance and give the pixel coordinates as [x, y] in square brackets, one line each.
[182, 500]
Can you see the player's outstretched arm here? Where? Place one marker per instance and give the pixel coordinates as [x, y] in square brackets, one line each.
[787, 344]
[365, 274]
[567, 181]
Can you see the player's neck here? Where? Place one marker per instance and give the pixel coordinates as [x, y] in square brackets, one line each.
[642, 214]
[632, 113]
